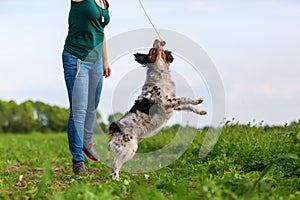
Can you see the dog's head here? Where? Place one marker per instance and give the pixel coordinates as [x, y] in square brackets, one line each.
[156, 52]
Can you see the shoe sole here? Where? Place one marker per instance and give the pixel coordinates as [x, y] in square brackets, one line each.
[89, 158]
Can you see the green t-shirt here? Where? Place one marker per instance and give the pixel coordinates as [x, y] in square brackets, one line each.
[86, 29]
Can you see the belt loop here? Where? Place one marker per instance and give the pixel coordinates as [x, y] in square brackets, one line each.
[78, 67]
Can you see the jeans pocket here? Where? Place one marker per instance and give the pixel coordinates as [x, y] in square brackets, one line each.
[68, 57]
[70, 64]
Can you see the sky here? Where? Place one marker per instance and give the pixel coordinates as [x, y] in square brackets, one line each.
[254, 46]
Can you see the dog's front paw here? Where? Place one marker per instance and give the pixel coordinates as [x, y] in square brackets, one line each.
[202, 112]
[199, 101]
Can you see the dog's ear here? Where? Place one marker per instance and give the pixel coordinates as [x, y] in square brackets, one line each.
[141, 58]
[170, 58]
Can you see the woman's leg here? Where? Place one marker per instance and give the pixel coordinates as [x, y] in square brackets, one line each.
[95, 88]
[76, 78]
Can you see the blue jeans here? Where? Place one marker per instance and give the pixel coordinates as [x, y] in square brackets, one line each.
[84, 81]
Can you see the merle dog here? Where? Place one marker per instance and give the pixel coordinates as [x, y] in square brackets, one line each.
[152, 108]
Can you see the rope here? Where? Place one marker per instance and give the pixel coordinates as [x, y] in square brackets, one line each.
[150, 20]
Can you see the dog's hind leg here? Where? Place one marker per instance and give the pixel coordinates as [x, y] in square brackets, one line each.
[117, 164]
[175, 102]
[190, 108]
[122, 152]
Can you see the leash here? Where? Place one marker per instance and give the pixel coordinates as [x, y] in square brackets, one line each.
[150, 20]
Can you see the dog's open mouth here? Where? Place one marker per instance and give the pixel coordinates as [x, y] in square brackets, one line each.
[157, 51]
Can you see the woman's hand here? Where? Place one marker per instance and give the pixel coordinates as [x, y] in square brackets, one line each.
[106, 71]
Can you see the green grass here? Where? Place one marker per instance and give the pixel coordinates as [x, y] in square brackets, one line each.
[248, 162]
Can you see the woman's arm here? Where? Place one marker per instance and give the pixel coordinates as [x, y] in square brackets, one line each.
[106, 68]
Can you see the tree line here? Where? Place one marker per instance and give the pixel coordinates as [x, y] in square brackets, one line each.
[38, 116]
[32, 116]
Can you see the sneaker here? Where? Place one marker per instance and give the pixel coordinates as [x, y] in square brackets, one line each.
[89, 152]
[80, 169]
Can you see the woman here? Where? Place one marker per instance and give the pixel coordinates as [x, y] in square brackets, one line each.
[84, 62]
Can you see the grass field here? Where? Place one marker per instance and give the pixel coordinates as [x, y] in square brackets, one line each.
[248, 162]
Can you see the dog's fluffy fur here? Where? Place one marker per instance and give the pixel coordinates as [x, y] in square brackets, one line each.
[152, 108]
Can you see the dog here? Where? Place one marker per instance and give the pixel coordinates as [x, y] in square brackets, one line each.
[151, 110]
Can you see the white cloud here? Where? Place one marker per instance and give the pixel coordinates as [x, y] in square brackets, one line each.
[261, 91]
[271, 92]
[197, 4]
